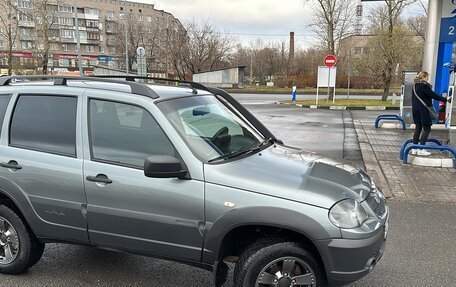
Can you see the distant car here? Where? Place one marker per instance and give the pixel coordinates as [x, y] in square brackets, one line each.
[184, 173]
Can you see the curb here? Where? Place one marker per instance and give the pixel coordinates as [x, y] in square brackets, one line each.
[367, 108]
[371, 161]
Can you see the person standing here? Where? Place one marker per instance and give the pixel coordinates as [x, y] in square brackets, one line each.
[421, 116]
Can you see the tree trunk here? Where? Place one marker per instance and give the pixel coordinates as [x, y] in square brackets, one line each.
[45, 63]
[386, 87]
[10, 60]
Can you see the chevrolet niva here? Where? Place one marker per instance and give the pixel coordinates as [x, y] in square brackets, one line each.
[181, 172]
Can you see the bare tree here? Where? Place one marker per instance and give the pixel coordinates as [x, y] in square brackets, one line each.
[383, 21]
[135, 37]
[201, 48]
[42, 16]
[418, 23]
[9, 28]
[333, 20]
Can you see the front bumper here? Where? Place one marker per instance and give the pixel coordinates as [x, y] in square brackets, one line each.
[348, 260]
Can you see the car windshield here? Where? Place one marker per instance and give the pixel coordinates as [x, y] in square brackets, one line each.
[211, 128]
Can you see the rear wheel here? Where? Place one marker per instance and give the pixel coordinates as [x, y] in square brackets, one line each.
[19, 248]
[278, 264]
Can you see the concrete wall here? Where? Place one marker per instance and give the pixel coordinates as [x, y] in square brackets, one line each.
[226, 78]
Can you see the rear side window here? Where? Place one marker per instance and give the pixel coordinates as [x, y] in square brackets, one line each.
[45, 123]
[4, 101]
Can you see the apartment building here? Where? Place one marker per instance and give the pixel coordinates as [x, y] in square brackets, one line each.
[103, 25]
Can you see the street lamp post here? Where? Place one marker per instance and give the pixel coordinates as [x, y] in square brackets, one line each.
[78, 40]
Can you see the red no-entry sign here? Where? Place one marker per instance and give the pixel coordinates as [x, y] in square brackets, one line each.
[330, 61]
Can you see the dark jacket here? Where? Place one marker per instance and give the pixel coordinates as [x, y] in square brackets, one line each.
[420, 112]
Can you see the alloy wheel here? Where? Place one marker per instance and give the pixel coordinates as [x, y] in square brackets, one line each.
[286, 272]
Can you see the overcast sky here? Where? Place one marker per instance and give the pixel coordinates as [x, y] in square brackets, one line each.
[269, 20]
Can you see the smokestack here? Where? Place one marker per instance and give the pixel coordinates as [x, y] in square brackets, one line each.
[291, 63]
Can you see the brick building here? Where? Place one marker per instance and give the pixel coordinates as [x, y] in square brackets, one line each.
[102, 29]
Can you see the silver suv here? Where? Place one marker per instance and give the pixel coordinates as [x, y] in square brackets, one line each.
[182, 172]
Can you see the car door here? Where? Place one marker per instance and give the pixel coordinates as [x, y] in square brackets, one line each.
[41, 162]
[126, 210]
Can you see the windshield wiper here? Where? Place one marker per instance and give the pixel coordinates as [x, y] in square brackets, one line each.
[244, 150]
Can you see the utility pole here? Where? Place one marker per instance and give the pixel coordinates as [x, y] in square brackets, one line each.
[78, 39]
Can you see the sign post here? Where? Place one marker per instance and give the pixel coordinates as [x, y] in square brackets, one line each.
[330, 61]
[327, 76]
[142, 67]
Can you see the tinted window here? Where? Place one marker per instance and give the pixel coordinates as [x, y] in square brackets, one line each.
[125, 134]
[4, 100]
[45, 123]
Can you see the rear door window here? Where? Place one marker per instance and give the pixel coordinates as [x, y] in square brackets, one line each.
[4, 101]
[45, 123]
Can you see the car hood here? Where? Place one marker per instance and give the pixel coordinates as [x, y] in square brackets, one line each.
[293, 174]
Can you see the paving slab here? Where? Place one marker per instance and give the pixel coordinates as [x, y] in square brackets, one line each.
[380, 150]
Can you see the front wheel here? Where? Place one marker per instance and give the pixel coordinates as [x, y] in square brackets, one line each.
[278, 264]
[19, 248]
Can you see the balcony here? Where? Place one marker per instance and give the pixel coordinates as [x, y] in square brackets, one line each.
[67, 40]
[93, 41]
[92, 29]
[26, 37]
[23, 23]
[111, 30]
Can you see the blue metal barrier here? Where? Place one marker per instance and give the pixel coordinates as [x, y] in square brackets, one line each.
[430, 147]
[407, 142]
[390, 118]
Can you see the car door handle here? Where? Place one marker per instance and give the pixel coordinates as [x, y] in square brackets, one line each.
[102, 178]
[12, 164]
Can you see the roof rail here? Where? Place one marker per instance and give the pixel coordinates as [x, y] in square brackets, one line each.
[193, 85]
[136, 88]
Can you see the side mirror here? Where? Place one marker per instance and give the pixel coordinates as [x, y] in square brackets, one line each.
[164, 166]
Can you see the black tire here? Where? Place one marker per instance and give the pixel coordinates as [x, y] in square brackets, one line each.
[30, 249]
[260, 254]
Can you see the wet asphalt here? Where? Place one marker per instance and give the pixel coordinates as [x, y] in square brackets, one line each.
[421, 248]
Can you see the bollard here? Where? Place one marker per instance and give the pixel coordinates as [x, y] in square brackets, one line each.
[293, 94]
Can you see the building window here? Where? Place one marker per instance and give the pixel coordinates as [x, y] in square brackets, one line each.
[66, 21]
[24, 4]
[93, 36]
[92, 23]
[27, 45]
[91, 11]
[110, 14]
[25, 18]
[67, 33]
[54, 47]
[65, 47]
[149, 19]
[101, 49]
[66, 9]
[121, 15]
[140, 18]
[90, 48]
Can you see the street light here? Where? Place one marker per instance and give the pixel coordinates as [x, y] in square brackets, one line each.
[126, 37]
[78, 40]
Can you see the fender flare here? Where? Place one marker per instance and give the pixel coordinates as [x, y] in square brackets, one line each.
[258, 215]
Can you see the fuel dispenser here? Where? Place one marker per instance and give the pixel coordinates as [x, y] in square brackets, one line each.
[408, 80]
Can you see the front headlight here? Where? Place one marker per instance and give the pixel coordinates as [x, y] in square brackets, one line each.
[348, 214]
